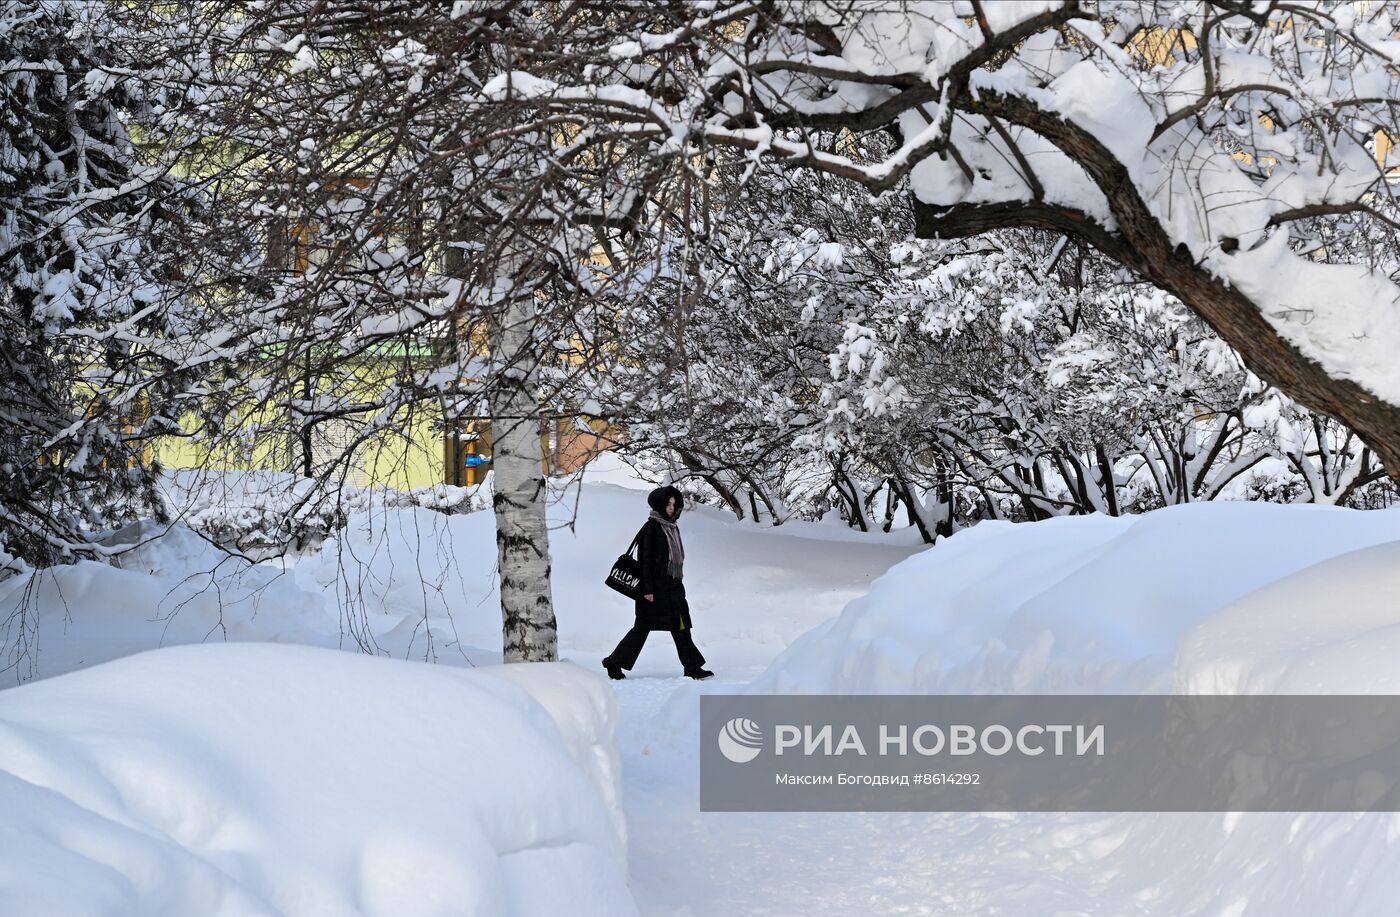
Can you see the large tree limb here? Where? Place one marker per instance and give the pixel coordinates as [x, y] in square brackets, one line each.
[1142, 244]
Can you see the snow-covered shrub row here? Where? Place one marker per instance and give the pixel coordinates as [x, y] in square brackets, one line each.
[290, 781]
[263, 513]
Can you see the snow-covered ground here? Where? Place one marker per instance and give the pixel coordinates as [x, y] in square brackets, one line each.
[1223, 597]
[194, 779]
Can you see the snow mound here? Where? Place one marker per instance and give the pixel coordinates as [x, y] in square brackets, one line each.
[410, 564]
[1333, 628]
[584, 709]
[278, 780]
[1087, 604]
[169, 550]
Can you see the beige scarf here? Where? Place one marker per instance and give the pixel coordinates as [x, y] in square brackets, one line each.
[676, 561]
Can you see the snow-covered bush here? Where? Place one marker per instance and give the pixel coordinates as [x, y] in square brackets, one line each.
[271, 513]
[239, 780]
[837, 362]
[99, 344]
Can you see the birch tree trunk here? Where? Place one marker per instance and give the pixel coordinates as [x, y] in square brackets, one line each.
[529, 633]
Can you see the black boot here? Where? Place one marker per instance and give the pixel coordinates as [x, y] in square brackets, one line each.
[698, 673]
[614, 670]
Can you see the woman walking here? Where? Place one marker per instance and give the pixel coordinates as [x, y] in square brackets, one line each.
[662, 605]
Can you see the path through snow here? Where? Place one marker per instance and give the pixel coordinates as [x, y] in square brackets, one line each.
[688, 863]
[691, 864]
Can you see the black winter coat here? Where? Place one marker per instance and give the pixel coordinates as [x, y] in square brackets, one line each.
[669, 611]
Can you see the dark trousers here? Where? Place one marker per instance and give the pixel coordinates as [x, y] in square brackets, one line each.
[631, 643]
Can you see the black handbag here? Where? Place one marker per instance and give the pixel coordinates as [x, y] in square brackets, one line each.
[626, 573]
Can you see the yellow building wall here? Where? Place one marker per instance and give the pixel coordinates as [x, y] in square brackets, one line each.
[402, 461]
[403, 458]
[418, 456]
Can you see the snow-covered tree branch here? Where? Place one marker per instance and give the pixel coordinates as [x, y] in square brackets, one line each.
[1234, 155]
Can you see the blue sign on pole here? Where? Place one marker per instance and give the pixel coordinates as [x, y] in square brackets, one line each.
[471, 461]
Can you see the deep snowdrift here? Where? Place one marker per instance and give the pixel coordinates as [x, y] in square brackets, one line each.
[1213, 597]
[270, 780]
[1332, 628]
[1087, 604]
